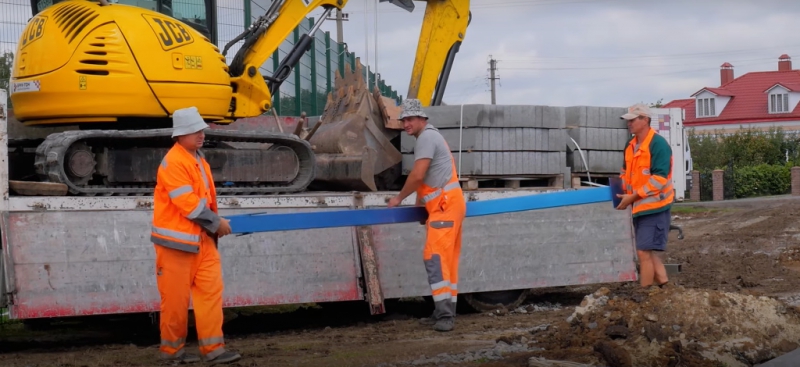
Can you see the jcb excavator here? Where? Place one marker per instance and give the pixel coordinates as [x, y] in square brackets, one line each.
[115, 72]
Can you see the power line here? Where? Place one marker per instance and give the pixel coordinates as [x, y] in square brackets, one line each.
[619, 66]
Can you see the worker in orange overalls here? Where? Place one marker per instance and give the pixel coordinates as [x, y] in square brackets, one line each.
[647, 181]
[185, 231]
[435, 180]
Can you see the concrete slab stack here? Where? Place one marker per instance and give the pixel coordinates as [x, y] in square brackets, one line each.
[499, 140]
[601, 135]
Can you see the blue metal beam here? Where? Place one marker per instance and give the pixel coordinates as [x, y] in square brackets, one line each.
[265, 222]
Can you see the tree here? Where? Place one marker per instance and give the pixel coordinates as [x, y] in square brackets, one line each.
[6, 62]
[657, 104]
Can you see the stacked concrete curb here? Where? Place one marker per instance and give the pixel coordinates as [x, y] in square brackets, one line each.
[499, 140]
[600, 134]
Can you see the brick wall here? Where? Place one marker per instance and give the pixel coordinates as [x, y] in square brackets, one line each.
[719, 191]
[795, 181]
[694, 193]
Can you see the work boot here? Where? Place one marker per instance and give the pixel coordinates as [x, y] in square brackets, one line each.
[182, 359]
[226, 357]
[444, 324]
[428, 321]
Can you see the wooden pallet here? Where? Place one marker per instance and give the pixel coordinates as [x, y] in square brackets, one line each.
[579, 177]
[471, 183]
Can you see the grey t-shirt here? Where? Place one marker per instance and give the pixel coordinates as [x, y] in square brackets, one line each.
[431, 144]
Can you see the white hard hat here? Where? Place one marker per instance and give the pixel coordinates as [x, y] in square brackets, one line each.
[187, 121]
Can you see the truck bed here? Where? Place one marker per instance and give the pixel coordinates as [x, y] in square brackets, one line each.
[69, 256]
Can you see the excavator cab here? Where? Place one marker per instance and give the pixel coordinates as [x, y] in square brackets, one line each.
[199, 14]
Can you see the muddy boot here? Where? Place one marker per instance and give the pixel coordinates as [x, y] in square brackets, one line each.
[428, 321]
[445, 324]
[226, 357]
[184, 358]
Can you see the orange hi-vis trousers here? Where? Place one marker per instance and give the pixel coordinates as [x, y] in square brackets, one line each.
[180, 274]
[446, 211]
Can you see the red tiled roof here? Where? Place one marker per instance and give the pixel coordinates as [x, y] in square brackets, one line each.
[679, 103]
[792, 87]
[749, 102]
[717, 91]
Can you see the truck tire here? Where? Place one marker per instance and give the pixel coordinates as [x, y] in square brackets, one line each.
[488, 301]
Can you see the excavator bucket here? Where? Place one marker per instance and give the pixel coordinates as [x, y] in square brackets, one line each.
[352, 141]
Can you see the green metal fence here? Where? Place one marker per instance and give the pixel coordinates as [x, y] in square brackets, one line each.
[307, 87]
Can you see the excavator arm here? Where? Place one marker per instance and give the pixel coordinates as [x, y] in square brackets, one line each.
[252, 95]
[443, 29]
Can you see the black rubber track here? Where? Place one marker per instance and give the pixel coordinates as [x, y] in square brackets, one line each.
[50, 159]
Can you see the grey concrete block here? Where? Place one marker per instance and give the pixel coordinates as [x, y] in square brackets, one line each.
[599, 161]
[503, 163]
[497, 139]
[590, 138]
[480, 115]
[598, 117]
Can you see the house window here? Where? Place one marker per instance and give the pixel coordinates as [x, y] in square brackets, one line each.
[779, 103]
[705, 107]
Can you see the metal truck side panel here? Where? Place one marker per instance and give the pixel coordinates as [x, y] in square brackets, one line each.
[101, 262]
[582, 244]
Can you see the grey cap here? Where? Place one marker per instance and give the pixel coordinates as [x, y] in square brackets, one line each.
[187, 121]
[412, 107]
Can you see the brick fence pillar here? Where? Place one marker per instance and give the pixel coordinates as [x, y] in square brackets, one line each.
[719, 188]
[694, 193]
[795, 181]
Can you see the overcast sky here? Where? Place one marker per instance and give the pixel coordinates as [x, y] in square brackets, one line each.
[571, 52]
[586, 52]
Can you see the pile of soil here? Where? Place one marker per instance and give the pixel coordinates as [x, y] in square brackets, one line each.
[673, 326]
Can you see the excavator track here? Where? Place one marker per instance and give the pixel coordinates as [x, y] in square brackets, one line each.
[125, 162]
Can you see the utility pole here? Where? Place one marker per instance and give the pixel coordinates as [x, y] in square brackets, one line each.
[340, 17]
[492, 77]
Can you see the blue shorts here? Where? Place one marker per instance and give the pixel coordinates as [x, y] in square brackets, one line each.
[652, 231]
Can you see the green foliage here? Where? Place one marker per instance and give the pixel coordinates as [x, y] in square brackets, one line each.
[6, 61]
[747, 147]
[762, 180]
[756, 162]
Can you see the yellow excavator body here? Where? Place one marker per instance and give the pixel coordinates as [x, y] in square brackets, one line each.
[79, 61]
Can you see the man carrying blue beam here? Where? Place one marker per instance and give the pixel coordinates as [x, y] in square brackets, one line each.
[435, 180]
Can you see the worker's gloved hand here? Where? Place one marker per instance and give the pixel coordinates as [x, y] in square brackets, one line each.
[224, 227]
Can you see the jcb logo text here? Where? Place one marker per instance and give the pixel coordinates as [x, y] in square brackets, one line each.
[170, 33]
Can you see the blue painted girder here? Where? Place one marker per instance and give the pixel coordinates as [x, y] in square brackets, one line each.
[265, 222]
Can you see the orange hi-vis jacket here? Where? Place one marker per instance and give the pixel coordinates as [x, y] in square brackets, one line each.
[656, 191]
[185, 201]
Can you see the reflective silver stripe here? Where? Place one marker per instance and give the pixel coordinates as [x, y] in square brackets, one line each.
[442, 297]
[164, 163]
[435, 194]
[203, 173]
[452, 186]
[440, 285]
[215, 353]
[453, 286]
[454, 299]
[647, 200]
[175, 234]
[210, 341]
[174, 245]
[441, 224]
[431, 196]
[198, 209]
[656, 184]
[176, 344]
[180, 191]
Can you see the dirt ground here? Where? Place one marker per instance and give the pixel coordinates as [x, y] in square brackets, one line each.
[734, 304]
